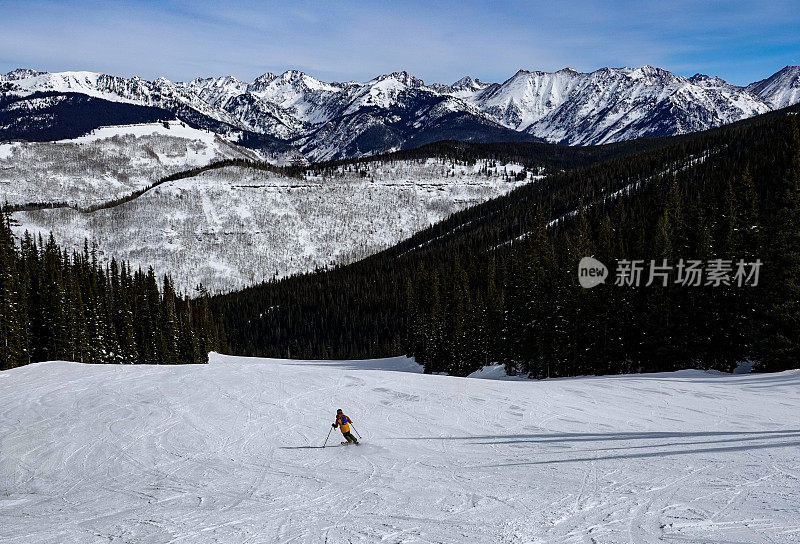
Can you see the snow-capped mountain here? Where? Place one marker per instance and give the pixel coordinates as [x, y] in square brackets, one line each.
[135, 90]
[610, 105]
[332, 120]
[780, 89]
[463, 88]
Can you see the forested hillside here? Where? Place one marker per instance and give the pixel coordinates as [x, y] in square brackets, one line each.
[56, 305]
[236, 223]
[498, 282]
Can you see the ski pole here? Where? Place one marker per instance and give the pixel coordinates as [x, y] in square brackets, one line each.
[327, 437]
[354, 428]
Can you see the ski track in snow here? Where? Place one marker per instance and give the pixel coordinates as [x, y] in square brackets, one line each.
[230, 452]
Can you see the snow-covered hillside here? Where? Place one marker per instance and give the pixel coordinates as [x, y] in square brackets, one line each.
[108, 163]
[332, 120]
[230, 452]
[233, 227]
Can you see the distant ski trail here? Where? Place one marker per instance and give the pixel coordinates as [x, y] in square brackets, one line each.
[231, 452]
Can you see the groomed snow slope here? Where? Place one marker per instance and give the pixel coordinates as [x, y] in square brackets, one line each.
[229, 452]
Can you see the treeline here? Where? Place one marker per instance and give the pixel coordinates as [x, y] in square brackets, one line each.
[32, 206]
[498, 282]
[69, 115]
[183, 174]
[60, 306]
[532, 155]
[133, 195]
[62, 116]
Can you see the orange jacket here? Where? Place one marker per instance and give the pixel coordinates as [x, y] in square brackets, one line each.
[342, 421]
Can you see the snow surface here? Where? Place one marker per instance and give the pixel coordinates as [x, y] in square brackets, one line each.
[230, 452]
[176, 129]
[6, 150]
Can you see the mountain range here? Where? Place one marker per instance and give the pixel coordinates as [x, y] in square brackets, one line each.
[293, 116]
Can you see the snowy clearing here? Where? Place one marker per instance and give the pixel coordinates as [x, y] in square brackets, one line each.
[174, 129]
[230, 452]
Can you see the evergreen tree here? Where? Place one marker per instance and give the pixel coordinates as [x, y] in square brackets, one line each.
[779, 348]
[168, 325]
[13, 349]
[57, 306]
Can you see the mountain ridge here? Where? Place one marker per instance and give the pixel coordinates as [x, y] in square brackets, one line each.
[330, 120]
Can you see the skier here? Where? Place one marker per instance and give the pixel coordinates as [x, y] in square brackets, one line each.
[343, 422]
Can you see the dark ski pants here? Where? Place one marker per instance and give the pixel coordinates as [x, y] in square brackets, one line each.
[349, 437]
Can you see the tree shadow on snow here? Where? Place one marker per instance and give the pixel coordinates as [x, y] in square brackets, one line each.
[662, 444]
[559, 437]
[787, 378]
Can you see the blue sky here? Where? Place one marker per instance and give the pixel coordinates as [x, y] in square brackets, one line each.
[436, 40]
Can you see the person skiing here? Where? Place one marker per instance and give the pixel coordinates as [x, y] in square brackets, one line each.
[343, 422]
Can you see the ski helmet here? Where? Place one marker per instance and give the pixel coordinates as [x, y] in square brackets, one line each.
[339, 411]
